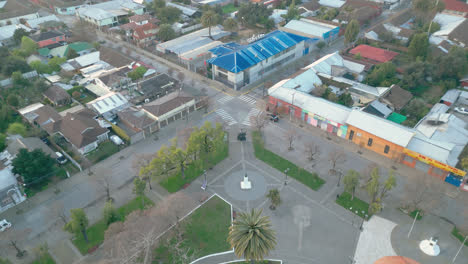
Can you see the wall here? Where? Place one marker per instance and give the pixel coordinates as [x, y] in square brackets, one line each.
[361, 138]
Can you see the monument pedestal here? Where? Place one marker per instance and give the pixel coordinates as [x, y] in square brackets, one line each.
[246, 184]
[430, 247]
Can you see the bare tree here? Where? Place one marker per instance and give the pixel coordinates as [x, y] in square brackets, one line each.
[57, 209]
[259, 120]
[291, 136]
[181, 76]
[423, 192]
[312, 151]
[137, 236]
[13, 236]
[103, 178]
[336, 157]
[206, 103]
[170, 71]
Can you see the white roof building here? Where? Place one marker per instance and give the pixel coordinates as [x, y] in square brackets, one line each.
[186, 10]
[109, 104]
[191, 41]
[6, 32]
[380, 127]
[332, 3]
[309, 28]
[35, 23]
[81, 61]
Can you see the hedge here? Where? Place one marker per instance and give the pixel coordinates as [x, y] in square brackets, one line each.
[121, 133]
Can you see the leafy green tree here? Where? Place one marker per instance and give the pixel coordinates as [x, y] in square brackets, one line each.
[373, 185]
[168, 14]
[250, 14]
[416, 74]
[388, 185]
[18, 79]
[321, 45]
[251, 235]
[274, 197]
[96, 45]
[139, 187]
[293, 12]
[17, 129]
[375, 207]
[4, 52]
[28, 45]
[2, 142]
[72, 54]
[431, 27]
[351, 181]
[78, 223]
[13, 100]
[55, 63]
[42, 254]
[382, 74]
[109, 213]
[209, 19]
[352, 30]
[230, 24]
[137, 73]
[40, 67]
[269, 24]
[345, 99]
[419, 46]
[157, 4]
[166, 32]
[33, 166]
[14, 63]
[5, 261]
[160, 166]
[180, 157]
[452, 66]
[19, 34]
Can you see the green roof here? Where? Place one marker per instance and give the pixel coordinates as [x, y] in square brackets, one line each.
[59, 51]
[397, 118]
[80, 46]
[43, 52]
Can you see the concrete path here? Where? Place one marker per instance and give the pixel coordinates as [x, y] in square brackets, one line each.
[374, 242]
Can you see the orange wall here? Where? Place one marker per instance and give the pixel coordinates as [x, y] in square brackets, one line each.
[378, 144]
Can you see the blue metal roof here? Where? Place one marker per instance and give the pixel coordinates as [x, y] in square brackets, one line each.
[236, 58]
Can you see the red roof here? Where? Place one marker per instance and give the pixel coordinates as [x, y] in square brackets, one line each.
[456, 5]
[373, 53]
[142, 32]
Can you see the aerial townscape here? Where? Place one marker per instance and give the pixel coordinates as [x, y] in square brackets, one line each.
[233, 131]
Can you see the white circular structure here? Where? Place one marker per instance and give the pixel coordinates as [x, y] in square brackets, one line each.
[430, 247]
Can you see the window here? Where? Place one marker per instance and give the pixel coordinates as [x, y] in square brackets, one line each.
[369, 142]
[351, 135]
[387, 149]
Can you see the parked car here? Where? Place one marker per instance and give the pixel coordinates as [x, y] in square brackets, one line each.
[61, 158]
[273, 117]
[4, 225]
[461, 110]
[45, 140]
[116, 140]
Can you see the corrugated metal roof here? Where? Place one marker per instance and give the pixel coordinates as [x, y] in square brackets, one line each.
[34, 23]
[380, 127]
[310, 27]
[304, 82]
[108, 102]
[236, 58]
[324, 108]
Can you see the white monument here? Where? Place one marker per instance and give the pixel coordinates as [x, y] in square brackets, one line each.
[246, 184]
[430, 247]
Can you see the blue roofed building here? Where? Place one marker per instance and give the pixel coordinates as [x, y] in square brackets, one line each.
[238, 65]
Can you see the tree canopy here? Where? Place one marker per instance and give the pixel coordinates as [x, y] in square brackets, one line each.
[230, 24]
[352, 30]
[28, 45]
[166, 32]
[137, 73]
[17, 129]
[78, 223]
[19, 34]
[382, 75]
[210, 19]
[251, 14]
[419, 46]
[34, 166]
[14, 63]
[168, 14]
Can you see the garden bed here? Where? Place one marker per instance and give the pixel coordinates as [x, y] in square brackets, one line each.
[457, 234]
[45, 259]
[176, 182]
[357, 206]
[204, 232]
[312, 180]
[96, 232]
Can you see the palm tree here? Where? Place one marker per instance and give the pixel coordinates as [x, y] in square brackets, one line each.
[251, 235]
[274, 197]
[209, 19]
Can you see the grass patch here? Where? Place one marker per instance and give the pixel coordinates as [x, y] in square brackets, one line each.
[175, 182]
[312, 180]
[413, 214]
[104, 150]
[45, 259]
[456, 233]
[96, 232]
[205, 232]
[227, 9]
[356, 205]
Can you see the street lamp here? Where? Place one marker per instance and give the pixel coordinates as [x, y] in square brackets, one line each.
[286, 176]
[205, 183]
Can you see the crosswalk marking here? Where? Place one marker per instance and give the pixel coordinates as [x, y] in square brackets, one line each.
[252, 112]
[247, 99]
[225, 99]
[226, 117]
